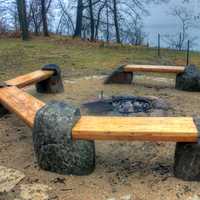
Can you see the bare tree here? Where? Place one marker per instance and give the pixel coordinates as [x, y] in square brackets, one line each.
[186, 19]
[99, 12]
[96, 18]
[21, 6]
[65, 23]
[109, 20]
[133, 33]
[79, 18]
[44, 18]
[35, 16]
[116, 21]
[92, 25]
[81, 7]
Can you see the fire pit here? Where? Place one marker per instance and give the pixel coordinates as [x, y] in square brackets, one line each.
[126, 106]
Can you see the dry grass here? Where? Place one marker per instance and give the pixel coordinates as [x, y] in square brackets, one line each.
[77, 57]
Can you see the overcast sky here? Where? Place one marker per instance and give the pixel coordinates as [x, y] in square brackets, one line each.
[160, 21]
[159, 14]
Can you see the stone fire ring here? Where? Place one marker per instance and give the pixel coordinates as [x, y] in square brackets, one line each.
[101, 107]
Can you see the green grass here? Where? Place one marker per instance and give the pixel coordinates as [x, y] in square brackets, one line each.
[78, 58]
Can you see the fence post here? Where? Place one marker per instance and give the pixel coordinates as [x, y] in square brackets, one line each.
[188, 52]
[158, 44]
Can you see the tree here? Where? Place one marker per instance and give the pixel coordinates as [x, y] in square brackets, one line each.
[133, 33]
[91, 20]
[21, 7]
[79, 18]
[87, 5]
[108, 20]
[98, 22]
[185, 19]
[107, 23]
[65, 23]
[116, 21]
[35, 16]
[44, 18]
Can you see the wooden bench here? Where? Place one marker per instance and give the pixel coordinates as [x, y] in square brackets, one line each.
[49, 124]
[176, 129]
[31, 78]
[47, 80]
[124, 74]
[154, 68]
[21, 103]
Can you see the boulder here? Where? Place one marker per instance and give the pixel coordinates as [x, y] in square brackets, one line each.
[119, 76]
[189, 80]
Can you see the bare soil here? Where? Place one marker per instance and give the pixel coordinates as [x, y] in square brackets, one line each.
[124, 170]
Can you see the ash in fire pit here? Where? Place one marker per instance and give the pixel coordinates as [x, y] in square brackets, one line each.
[126, 106]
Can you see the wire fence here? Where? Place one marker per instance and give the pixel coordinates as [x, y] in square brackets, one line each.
[187, 50]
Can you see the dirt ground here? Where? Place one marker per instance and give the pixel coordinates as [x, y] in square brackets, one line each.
[124, 170]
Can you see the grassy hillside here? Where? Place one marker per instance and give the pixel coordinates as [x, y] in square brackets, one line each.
[78, 58]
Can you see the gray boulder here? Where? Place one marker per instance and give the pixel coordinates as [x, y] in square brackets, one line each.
[119, 76]
[53, 84]
[54, 147]
[189, 80]
[187, 159]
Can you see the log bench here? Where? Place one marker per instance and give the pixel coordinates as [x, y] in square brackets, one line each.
[47, 80]
[154, 68]
[187, 77]
[64, 140]
[29, 79]
[176, 129]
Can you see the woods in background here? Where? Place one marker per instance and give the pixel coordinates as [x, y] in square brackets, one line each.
[108, 20]
[25, 16]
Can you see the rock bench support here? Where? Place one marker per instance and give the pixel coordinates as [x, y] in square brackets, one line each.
[120, 76]
[54, 83]
[187, 159]
[187, 78]
[52, 137]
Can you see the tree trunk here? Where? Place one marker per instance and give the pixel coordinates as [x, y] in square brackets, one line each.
[91, 21]
[79, 19]
[98, 21]
[97, 27]
[44, 18]
[21, 7]
[116, 21]
[107, 24]
[36, 30]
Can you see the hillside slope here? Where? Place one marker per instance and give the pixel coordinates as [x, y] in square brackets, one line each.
[77, 57]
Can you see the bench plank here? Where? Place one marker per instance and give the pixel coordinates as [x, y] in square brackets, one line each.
[177, 129]
[180, 129]
[22, 104]
[154, 68]
[31, 78]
